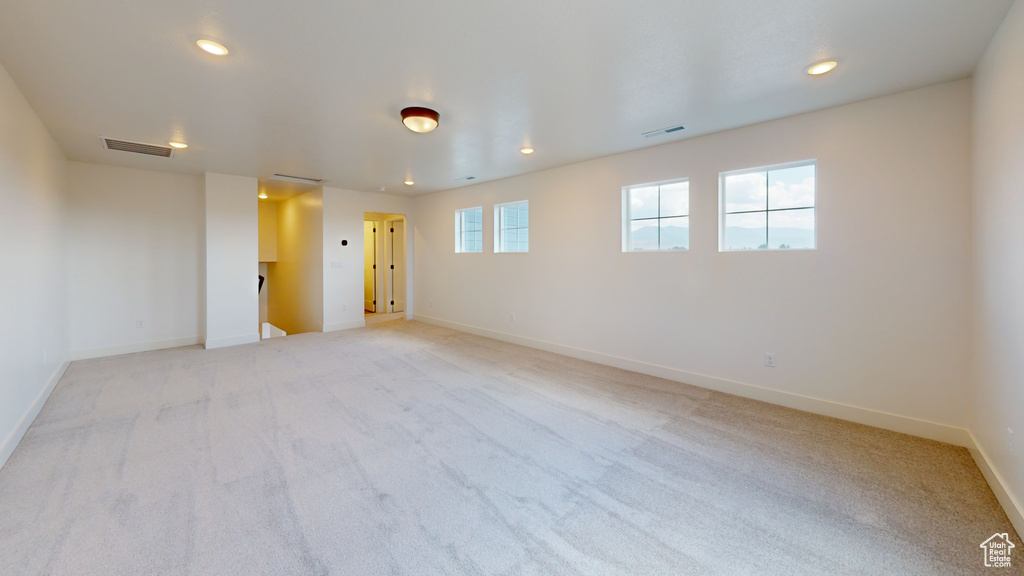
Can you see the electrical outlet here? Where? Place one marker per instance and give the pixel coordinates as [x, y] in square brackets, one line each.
[140, 323]
[431, 303]
[1009, 440]
[512, 316]
[769, 359]
[46, 357]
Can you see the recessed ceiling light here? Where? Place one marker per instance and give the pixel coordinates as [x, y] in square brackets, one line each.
[178, 145]
[821, 67]
[215, 48]
[527, 150]
[420, 119]
[263, 195]
[409, 182]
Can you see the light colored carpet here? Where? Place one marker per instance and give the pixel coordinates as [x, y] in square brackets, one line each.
[410, 449]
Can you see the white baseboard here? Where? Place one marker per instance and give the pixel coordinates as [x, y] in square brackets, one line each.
[14, 438]
[1012, 506]
[361, 323]
[232, 341]
[870, 417]
[132, 348]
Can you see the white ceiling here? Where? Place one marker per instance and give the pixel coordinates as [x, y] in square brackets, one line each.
[314, 88]
[277, 190]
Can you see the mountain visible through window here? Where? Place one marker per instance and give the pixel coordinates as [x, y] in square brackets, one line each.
[658, 216]
[768, 208]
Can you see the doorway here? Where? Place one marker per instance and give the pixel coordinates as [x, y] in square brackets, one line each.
[384, 265]
[369, 266]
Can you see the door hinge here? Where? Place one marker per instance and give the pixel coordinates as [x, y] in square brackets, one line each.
[374, 229]
[392, 266]
[392, 230]
[374, 266]
[392, 302]
[374, 302]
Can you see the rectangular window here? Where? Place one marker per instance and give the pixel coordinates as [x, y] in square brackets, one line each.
[768, 208]
[512, 227]
[656, 216]
[469, 230]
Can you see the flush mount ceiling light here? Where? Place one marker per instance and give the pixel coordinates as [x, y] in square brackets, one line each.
[409, 182]
[821, 67]
[526, 150]
[419, 119]
[215, 48]
[178, 145]
[263, 196]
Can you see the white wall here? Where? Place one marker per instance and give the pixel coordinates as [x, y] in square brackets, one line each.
[268, 230]
[232, 267]
[877, 318]
[33, 310]
[268, 252]
[264, 298]
[998, 392]
[296, 298]
[343, 265]
[134, 254]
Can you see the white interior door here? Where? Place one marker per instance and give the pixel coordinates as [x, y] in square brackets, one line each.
[381, 295]
[396, 264]
[369, 266]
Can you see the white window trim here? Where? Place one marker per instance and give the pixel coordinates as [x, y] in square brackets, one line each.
[497, 227]
[721, 203]
[627, 216]
[458, 230]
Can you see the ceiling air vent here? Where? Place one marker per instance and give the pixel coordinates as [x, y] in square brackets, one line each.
[297, 179]
[668, 130]
[137, 147]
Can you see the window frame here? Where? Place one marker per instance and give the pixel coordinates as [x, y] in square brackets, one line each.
[460, 238]
[627, 216]
[722, 214]
[499, 228]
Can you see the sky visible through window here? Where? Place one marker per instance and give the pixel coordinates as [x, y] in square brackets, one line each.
[469, 224]
[770, 209]
[514, 227]
[659, 216]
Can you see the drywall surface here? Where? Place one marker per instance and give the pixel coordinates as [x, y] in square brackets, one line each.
[232, 266]
[343, 265]
[33, 340]
[998, 392]
[264, 302]
[877, 317]
[268, 231]
[296, 300]
[134, 258]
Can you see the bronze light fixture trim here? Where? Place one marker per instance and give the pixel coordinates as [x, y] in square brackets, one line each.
[419, 119]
